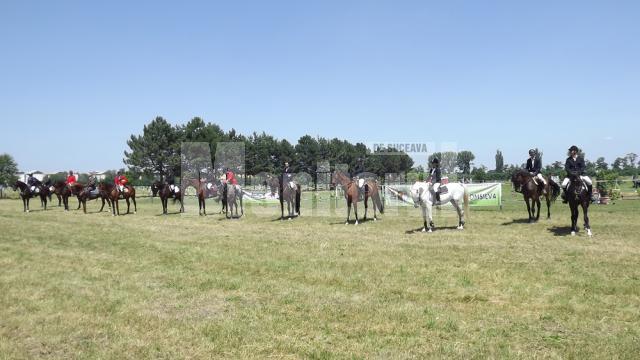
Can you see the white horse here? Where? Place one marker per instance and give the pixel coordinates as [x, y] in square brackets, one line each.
[423, 196]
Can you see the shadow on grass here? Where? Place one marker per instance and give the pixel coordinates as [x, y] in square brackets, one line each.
[435, 229]
[516, 221]
[560, 230]
[353, 221]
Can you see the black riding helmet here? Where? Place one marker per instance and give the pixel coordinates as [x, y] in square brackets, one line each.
[532, 152]
[574, 148]
[435, 161]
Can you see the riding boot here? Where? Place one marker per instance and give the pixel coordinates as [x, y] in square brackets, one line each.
[564, 195]
[438, 196]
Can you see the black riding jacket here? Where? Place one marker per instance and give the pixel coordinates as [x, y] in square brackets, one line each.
[436, 175]
[574, 167]
[534, 165]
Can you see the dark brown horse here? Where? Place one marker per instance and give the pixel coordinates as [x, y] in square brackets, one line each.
[64, 192]
[163, 190]
[352, 195]
[26, 194]
[99, 193]
[114, 194]
[578, 194]
[523, 182]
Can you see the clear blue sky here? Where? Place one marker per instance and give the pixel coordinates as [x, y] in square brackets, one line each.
[77, 78]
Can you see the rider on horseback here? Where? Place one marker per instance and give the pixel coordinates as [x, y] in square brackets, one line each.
[230, 177]
[120, 181]
[33, 183]
[357, 170]
[287, 173]
[436, 177]
[91, 184]
[534, 165]
[71, 180]
[574, 166]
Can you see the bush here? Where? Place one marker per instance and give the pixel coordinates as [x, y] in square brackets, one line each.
[607, 184]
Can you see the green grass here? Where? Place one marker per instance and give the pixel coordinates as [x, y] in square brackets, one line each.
[150, 286]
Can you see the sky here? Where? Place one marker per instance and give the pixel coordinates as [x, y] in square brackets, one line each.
[78, 78]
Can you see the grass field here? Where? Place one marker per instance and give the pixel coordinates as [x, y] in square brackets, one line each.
[151, 286]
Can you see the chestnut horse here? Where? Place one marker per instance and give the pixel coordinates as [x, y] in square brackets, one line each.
[352, 195]
[114, 195]
[206, 190]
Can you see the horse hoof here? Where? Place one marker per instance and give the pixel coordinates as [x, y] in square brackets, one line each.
[347, 223]
[430, 231]
[356, 222]
[589, 232]
[460, 227]
[424, 230]
[375, 219]
[289, 219]
[573, 233]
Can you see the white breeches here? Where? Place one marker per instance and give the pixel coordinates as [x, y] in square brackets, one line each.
[584, 178]
[539, 178]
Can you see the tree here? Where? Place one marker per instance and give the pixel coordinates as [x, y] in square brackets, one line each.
[464, 161]
[156, 150]
[479, 173]
[448, 160]
[601, 164]
[632, 159]
[620, 163]
[499, 161]
[8, 170]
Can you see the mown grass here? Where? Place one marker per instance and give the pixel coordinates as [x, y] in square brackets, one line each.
[151, 286]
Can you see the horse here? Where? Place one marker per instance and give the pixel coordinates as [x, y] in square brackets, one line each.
[423, 196]
[62, 190]
[114, 195]
[578, 194]
[164, 191]
[206, 190]
[85, 195]
[231, 194]
[26, 194]
[352, 195]
[290, 192]
[523, 182]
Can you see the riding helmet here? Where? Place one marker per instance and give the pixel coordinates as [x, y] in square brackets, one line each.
[435, 161]
[532, 151]
[574, 148]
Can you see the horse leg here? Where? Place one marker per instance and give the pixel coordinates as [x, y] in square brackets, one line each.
[424, 218]
[79, 202]
[128, 205]
[585, 213]
[366, 205]
[24, 204]
[84, 206]
[135, 206]
[460, 214]
[102, 207]
[528, 209]
[204, 206]
[574, 218]
[538, 208]
[548, 198]
[348, 210]
[355, 209]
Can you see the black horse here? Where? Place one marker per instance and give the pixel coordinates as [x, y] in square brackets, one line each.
[578, 194]
[523, 182]
[164, 191]
[26, 194]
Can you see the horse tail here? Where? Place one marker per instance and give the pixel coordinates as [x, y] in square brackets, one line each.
[555, 189]
[298, 191]
[466, 202]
